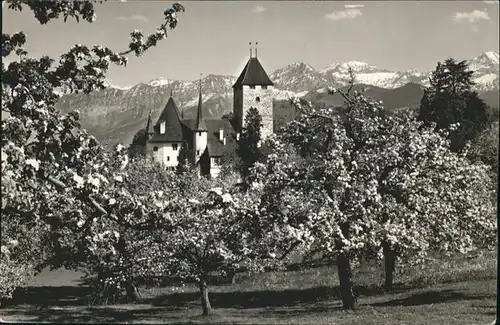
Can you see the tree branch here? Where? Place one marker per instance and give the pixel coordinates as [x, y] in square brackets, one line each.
[63, 186]
[290, 249]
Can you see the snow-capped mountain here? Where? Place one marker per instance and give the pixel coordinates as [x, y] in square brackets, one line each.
[484, 61]
[485, 67]
[338, 73]
[298, 77]
[116, 113]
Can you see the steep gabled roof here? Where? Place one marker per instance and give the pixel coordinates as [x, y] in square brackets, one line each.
[173, 128]
[253, 75]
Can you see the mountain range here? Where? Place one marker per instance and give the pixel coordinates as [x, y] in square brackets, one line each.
[114, 115]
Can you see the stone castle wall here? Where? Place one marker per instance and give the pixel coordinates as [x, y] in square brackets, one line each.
[262, 99]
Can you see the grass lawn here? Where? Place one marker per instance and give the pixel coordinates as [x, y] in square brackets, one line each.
[451, 291]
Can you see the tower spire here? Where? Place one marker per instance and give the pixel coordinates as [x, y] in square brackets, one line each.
[149, 125]
[200, 122]
[256, 43]
[250, 44]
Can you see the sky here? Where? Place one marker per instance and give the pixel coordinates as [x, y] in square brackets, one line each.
[212, 36]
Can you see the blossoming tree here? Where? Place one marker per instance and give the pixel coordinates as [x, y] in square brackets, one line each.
[367, 184]
[211, 232]
[52, 170]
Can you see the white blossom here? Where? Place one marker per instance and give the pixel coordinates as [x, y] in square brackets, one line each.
[34, 163]
[79, 180]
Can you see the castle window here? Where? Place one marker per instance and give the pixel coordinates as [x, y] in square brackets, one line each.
[155, 148]
[199, 134]
[163, 125]
[197, 152]
[264, 87]
[257, 99]
[252, 87]
[168, 158]
[174, 146]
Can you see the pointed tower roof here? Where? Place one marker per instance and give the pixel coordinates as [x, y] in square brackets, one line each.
[172, 96]
[173, 128]
[253, 74]
[149, 124]
[200, 124]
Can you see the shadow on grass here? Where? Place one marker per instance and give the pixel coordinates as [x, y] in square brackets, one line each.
[51, 296]
[66, 296]
[247, 299]
[264, 298]
[182, 307]
[78, 296]
[431, 297]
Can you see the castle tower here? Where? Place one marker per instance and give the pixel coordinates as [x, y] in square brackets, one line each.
[200, 132]
[253, 88]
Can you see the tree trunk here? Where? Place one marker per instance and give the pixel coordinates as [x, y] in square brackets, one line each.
[389, 266]
[132, 292]
[205, 301]
[231, 276]
[349, 300]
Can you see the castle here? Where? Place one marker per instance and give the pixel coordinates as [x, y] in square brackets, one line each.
[209, 139]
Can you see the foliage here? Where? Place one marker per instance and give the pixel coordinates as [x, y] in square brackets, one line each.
[185, 226]
[12, 274]
[249, 144]
[211, 232]
[60, 188]
[138, 146]
[145, 174]
[185, 159]
[365, 181]
[450, 100]
[485, 147]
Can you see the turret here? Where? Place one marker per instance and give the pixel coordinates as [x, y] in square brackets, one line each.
[200, 131]
[149, 126]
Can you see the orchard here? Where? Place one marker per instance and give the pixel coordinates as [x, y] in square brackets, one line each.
[357, 186]
[363, 184]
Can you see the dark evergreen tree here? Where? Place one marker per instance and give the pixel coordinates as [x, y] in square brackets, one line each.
[450, 99]
[138, 146]
[248, 146]
[185, 159]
